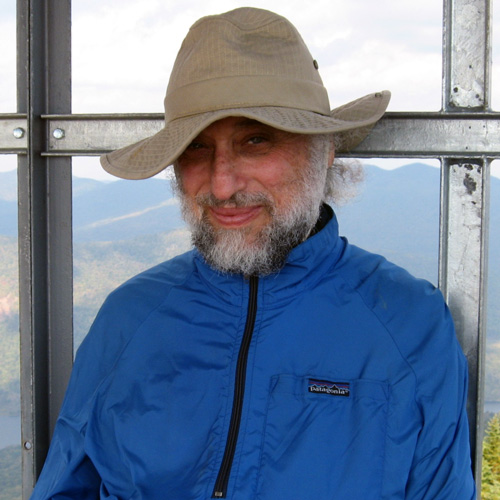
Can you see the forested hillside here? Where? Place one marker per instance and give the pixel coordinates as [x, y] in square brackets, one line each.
[10, 473]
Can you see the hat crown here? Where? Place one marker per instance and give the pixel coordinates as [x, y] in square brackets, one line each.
[247, 62]
[244, 58]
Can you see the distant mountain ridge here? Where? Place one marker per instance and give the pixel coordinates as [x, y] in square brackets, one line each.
[396, 214]
[393, 209]
[123, 227]
[105, 211]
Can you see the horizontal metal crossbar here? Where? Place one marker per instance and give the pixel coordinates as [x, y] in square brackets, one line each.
[398, 134]
[10, 125]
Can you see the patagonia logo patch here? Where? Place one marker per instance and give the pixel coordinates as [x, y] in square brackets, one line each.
[330, 388]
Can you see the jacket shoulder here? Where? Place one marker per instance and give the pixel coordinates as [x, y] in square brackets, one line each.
[148, 289]
[412, 311]
[127, 307]
[385, 287]
[118, 320]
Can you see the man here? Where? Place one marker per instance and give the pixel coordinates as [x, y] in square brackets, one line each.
[274, 361]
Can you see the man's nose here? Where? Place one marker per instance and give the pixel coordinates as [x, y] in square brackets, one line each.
[226, 175]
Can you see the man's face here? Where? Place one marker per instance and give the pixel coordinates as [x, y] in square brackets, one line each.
[243, 185]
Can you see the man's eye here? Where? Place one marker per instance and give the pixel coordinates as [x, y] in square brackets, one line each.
[257, 140]
[195, 145]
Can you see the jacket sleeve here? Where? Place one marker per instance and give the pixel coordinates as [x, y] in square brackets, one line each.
[68, 471]
[441, 468]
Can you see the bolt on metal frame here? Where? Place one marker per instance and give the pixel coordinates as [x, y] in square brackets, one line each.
[464, 135]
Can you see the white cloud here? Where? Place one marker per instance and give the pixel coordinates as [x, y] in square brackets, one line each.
[414, 78]
[8, 64]
[124, 51]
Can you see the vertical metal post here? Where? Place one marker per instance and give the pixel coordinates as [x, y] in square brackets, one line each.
[464, 200]
[463, 275]
[45, 236]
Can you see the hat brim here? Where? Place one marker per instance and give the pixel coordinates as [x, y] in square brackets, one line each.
[352, 121]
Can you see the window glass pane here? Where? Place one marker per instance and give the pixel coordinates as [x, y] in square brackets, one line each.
[491, 461]
[492, 394]
[123, 227]
[120, 228]
[396, 214]
[8, 59]
[361, 47]
[10, 428]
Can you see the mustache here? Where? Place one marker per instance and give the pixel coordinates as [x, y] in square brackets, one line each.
[239, 199]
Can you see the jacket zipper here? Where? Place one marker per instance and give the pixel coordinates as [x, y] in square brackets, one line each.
[220, 490]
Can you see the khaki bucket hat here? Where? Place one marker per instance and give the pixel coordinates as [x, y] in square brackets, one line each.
[247, 62]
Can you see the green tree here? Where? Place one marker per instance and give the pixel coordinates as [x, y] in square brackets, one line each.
[490, 484]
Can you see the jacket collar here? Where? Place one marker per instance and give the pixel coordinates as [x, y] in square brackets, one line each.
[305, 266]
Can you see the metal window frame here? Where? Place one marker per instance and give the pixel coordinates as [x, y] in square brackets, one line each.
[464, 135]
[45, 230]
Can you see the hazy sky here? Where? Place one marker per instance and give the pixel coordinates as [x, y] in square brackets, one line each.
[361, 46]
[123, 50]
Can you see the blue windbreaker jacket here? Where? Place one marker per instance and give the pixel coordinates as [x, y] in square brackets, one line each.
[338, 378]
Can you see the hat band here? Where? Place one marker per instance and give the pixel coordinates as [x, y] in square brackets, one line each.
[245, 92]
